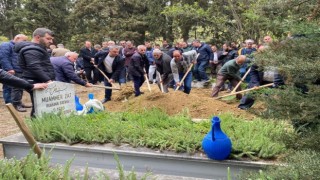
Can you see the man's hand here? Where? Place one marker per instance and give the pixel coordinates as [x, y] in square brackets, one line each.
[88, 85]
[40, 86]
[92, 61]
[11, 72]
[194, 62]
[225, 53]
[111, 81]
[178, 84]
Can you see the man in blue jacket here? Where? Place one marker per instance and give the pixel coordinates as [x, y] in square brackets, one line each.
[9, 61]
[64, 69]
[205, 56]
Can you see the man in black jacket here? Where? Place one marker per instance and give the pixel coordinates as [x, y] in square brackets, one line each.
[87, 53]
[11, 80]
[34, 59]
[137, 68]
[162, 61]
[111, 63]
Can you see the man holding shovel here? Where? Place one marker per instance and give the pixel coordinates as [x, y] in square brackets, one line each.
[110, 64]
[137, 68]
[229, 71]
[164, 73]
[180, 66]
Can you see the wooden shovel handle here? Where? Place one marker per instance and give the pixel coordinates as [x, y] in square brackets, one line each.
[239, 92]
[147, 80]
[25, 130]
[106, 87]
[104, 75]
[185, 75]
[243, 78]
[161, 84]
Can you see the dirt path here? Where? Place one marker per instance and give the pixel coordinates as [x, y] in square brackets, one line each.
[198, 103]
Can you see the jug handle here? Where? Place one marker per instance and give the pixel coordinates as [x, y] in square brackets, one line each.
[213, 139]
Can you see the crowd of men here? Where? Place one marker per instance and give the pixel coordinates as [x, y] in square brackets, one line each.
[40, 62]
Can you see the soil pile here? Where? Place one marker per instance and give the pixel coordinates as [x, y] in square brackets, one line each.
[198, 102]
[124, 93]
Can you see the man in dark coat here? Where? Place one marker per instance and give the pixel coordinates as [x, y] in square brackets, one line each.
[34, 59]
[9, 61]
[87, 53]
[10, 80]
[137, 68]
[128, 53]
[205, 56]
[162, 61]
[112, 64]
[64, 69]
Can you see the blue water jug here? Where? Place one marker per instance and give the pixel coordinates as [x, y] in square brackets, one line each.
[216, 144]
[79, 107]
[91, 96]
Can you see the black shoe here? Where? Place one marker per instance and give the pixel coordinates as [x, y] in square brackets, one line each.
[26, 106]
[105, 100]
[20, 108]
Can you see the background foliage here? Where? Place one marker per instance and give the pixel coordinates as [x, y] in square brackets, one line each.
[75, 21]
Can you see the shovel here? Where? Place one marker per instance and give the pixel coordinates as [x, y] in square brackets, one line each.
[239, 92]
[243, 78]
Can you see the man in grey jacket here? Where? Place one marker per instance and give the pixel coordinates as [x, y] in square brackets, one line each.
[179, 66]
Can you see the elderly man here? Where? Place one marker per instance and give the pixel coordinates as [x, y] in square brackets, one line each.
[87, 53]
[34, 59]
[128, 53]
[59, 51]
[216, 63]
[248, 51]
[137, 67]
[112, 64]
[162, 62]
[179, 66]
[9, 62]
[64, 69]
[229, 71]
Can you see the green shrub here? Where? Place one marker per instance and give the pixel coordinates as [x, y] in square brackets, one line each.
[301, 165]
[29, 168]
[157, 130]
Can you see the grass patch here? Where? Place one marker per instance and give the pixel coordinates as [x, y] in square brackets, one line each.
[157, 130]
[32, 167]
[300, 165]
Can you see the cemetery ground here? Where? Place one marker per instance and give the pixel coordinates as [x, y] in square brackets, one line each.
[199, 104]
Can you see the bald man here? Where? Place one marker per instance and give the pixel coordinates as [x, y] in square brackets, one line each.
[137, 68]
[229, 71]
[64, 69]
[9, 61]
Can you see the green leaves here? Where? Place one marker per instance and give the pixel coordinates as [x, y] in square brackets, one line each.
[155, 129]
